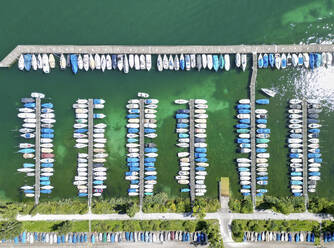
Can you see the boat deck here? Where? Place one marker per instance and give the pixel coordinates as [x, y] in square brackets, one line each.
[118, 49]
[141, 151]
[305, 174]
[37, 150]
[191, 150]
[90, 150]
[252, 88]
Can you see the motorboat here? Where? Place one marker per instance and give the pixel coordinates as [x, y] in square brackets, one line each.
[277, 61]
[215, 62]
[244, 61]
[294, 60]
[126, 64]
[80, 62]
[52, 61]
[34, 62]
[199, 62]
[260, 61]
[91, 62]
[238, 60]
[142, 62]
[283, 61]
[108, 62]
[170, 63]
[187, 62]
[269, 92]
[21, 63]
[227, 62]
[97, 60]
[120, 62]
[131, 61]
[300, 59]
[176, 63]
[45, 63]
[148, 60]
[103, 62]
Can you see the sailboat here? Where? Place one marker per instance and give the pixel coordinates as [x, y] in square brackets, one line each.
[34, 62]
[131, 60]
[21, 63]
[62, 62]
[103, 62]
[52, 61]
[159, 63]
[108, 62]
[237, 60]
[148, 58]
[244, 61]
[80, 62]
[86, 62]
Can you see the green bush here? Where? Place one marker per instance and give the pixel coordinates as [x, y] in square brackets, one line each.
[115, 205]
[241, 205]
[321, 205]
[10, 229]
[284, 205]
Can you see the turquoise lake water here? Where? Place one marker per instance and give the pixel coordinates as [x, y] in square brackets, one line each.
[162, 23]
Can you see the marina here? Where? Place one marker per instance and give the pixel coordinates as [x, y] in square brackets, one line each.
[142, 152]
[38, 123]
[90, 139]
[191, 129]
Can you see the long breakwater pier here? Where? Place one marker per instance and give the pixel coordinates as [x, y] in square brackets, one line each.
[141, 150]
[90, 151]
[191, 49]
[252, 88]
[305, 173]
[191, 150]
[37, 150]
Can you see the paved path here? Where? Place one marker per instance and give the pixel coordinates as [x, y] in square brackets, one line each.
[190, 49]
[141, 151]
[90, 150]
[38, 151]
[192, 149]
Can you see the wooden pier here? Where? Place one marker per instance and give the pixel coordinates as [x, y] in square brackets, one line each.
[37, 150]
[191, 150]
[305, 174]
[190, 49]
[90, 150]
[252, 88]
[141, 152]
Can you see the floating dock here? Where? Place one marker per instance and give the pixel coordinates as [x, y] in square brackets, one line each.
[90, 150]
[252, 88]
[38, 150]
[305, 174]
[141, 151]
[191, 150]
[118, 49]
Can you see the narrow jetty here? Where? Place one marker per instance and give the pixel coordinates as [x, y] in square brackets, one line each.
[191, 49]
[37, 150]
[191, 150]
[90, 150]
[141, 152]
[305, 174]
[252, 88]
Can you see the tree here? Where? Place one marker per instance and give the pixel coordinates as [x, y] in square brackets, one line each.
[131, 209]
[10, 229]
[63, 227]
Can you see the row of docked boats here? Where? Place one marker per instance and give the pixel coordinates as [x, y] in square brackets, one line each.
[141, 117]
[121, 62]
[308, 60]
[243, 140]
[108, 237]
[295, 144]
[269, 236]
[313, 153]
[44, 62]
[83, 137]
[216, 62]
[198, 156]
[262, 143]
[41, 122]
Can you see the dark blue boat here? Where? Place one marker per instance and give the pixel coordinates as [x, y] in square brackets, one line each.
[261, 121]
[265, 60]
[81, 130]
[74, 63]
[133, 130]
[182, 63]
[271, 60]
[27, 61]
[114, 61]
[263, 130]
[312, 60]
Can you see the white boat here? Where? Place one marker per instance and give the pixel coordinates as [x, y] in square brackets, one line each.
[171, 63]
[192, 60]
[201, 106]
[148, 58]
[181, 101]
[237, 60]
[45, 63]
[39, 61]
[85, 62]
[48, 120]
[26, 115]
[91, 62]
[277, 61]
[137, 62]
[244, 101]
[142, 62]
[165, 62]
[131, 60]
[126, 64]
[294, 60]
[48, 115]
[329, 59]
[103, 62]
[244, 61]
[210, 62]
[30, 120]
[52, 61]
[80, 62]
[97, 60]
[323, 59]
[269, 92]
[227, 62]
[261, 111]
[34, 62]
[176, 63]
[204, 61]
[108, 62]
[159, 63]
[26, 110]
[243, 116]
[295, 101]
